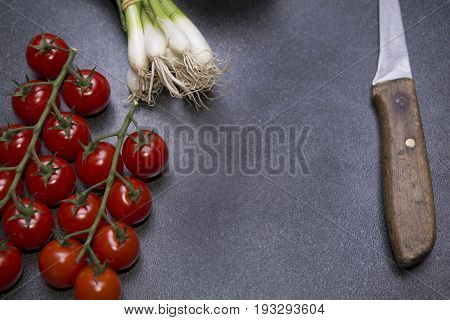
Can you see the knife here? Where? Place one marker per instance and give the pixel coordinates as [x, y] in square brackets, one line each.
[407, 190]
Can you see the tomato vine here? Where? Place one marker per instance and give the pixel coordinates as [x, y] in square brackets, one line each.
[62, 261]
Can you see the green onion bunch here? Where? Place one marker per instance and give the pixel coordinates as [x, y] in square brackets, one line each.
[166, 50]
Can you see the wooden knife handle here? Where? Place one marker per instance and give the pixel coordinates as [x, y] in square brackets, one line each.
[407, 190]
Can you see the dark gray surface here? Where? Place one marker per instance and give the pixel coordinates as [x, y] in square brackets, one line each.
[295, 62]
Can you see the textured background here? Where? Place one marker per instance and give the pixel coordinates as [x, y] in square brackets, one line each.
[295, 62]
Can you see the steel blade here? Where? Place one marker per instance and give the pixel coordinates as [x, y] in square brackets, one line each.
[393, 61]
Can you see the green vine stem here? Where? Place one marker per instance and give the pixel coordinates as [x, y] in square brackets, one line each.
[17, 130]
[74, 234]
[57, 113]
[132, 191]
[121, 134]
[28, 85]
[37, 128]
[94, 258]
[106, 136]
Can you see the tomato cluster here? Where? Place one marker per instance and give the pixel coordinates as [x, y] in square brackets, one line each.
[94, 247]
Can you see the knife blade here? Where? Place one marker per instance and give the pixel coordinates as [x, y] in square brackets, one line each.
[407, 190]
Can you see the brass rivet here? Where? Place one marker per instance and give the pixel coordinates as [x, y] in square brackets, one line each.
[410, 143]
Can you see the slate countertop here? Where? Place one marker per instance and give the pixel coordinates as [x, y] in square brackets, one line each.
[307, 64]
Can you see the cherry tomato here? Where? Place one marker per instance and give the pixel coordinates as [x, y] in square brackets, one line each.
[11, 265]
[118, 247]
[29, 103]
[65, 138]
[57, 263]
[145, 154]
[6, 178]
[95, 167]
[76, 214]
[89, 285]
[128, 206]
[87, 92]
[13, 149]
[46, 55]
[29, 229]
[53, 182]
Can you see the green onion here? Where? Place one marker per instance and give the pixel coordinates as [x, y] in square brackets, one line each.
[133, 83]
[136, 52]
[177, 40]
[198, 44]
[156, 48]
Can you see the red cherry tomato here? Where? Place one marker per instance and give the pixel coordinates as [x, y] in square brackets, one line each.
[13, 150]
[65, 138]
[74, 214]
[6, 178]
[31, 234]
[29, 104]
[118, 247]
[95, 167]
[46, 55]
[11, 265]
[147, 160]
[87, 92]
[53, 183]
[57, 263]
[128, 206]
[92, 286]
